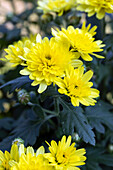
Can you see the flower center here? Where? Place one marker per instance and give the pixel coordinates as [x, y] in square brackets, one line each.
[76, 86]
[48, 57]
[62, 158]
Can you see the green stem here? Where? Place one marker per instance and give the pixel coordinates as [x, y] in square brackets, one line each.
[45, 110]
[51, 112]
[56, 105]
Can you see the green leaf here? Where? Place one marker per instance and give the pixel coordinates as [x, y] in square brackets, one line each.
[6, 123]
[17, 83]
[28, 126]
[109, 136]
[92, 166]
[71, 118]
[100, 114]
[96, 156]
[108, 40]
[106, 159]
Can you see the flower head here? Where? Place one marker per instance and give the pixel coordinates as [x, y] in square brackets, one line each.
[16, 53]
[46, 61]
[80, 41]
[95, 6]
[76, 85]
[31, 160]
[57, 6]
[64, 155]
[7, 158]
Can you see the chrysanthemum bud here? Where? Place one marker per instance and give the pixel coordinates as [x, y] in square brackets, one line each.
[18, 141]
[23, 96]
[76, 137]
[110, 148]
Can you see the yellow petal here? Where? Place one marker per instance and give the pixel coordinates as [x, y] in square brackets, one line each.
[94, 93]
[21, 149]
[42, 87]
[40, 150]
[38, 38]
[87, 76]
[54, 33]
[14, 152]
[53, 146]
[86, 57]
[75, 101]
[100, 14]
[35, 83]
[98, 56]
[76, 63]
[7, 155]
[30, 150]
[25, 72]
[68, 142]
[2, 158]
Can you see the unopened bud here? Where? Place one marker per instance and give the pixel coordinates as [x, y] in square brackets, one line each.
[23, 96]
[110, 148]
[18, 141]
[75, 137]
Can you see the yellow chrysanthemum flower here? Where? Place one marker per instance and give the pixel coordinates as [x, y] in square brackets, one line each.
[32, 163]
[80, 41]
[7, 159]
[100, 7]
[16, 53]
[57, 6]
[76, 85]
[64, 155]
[31, 160]
[46, 61]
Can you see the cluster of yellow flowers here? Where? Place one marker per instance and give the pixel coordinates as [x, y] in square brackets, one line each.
[100, 7]
[58, 61]
[62, 156]
[57, 6]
